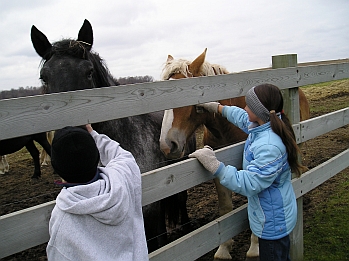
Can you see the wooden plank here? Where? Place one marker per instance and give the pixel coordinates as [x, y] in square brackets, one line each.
[189, 246]
[24, 229]
[321, 173]
[29, 227]
[169, 180]
[284, 61]
[80, 107]
[205, 238]
[320, 125]
[291, 107]
[322, 73]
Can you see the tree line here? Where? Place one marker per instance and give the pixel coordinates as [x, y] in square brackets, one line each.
[30, 90]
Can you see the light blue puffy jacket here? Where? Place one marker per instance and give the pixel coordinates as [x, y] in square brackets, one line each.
[265, 179]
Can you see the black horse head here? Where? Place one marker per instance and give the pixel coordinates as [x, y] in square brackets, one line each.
[69, 64]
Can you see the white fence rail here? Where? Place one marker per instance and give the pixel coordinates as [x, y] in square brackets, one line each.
[27, 228]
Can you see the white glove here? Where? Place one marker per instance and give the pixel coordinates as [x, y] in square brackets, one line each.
[207, 158]
[210, 106]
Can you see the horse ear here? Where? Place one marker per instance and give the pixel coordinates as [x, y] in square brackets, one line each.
[40, 42]
[195, 66]
[86, 34]
[169, 58]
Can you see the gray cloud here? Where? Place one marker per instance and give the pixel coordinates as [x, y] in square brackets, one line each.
[134, 37]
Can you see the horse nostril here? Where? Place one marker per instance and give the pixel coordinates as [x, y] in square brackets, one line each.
[174, 146]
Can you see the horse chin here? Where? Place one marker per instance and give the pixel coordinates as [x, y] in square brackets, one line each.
[173, 155]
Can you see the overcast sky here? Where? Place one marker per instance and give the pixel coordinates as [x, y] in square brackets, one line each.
[134, 37]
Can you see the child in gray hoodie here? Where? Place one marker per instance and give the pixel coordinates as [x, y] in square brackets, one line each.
[98, 213]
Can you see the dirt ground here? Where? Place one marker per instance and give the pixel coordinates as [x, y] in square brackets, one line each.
[18, 191]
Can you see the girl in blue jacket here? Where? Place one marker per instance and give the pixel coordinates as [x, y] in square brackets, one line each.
[270, 155]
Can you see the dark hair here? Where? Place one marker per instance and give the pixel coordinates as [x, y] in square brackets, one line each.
[271, 97]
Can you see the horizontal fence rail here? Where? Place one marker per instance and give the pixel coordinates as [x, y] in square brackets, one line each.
[221, 229]
[29, 227]
[87, 106]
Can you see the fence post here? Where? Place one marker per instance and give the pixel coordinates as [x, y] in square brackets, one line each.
[291, 108]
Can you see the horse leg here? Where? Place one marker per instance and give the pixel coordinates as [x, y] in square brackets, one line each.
[183, 197]
[34, 152]
[44, 157]
[253, 251]
[4, 166]
[225, 206]
[155, 225]
[7, 166]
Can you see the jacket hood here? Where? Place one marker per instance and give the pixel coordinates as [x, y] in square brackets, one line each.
[105, 202]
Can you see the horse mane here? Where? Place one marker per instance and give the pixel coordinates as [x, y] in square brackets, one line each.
[82, 50]
[181, 66]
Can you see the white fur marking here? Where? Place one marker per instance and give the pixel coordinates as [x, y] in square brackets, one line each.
[4, 166]
[254, 247]
[166, 125]
[224, 249]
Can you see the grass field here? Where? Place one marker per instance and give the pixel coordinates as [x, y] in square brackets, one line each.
[326, 237]
[326, 226]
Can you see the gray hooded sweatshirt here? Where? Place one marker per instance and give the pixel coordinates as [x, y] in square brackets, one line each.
[102, 220]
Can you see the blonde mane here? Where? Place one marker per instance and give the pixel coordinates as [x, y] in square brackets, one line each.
[181, 66]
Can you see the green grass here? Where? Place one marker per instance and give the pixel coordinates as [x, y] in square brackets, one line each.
[326, 237]
[326, 230]
[318, 95]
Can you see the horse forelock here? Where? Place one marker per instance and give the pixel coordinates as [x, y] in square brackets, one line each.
[82, 50]
[173, 67]
[70, 47]
[181, 66]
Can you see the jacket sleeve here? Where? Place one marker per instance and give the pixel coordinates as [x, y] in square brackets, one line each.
[110, 150]
[258, 175]
[237, 116]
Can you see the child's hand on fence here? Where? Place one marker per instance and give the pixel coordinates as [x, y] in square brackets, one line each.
[88, 128]
[207, 158]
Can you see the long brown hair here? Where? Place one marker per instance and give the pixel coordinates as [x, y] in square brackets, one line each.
[270, 96]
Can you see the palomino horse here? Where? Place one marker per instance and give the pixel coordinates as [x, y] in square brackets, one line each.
[70, 65]
[15, 144]
[180, 124]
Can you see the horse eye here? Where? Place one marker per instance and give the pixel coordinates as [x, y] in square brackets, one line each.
[90, 74]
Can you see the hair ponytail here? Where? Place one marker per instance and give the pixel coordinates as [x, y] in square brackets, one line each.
[283, 128]
[271, 97]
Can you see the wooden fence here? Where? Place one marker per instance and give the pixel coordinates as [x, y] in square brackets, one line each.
[29, 227]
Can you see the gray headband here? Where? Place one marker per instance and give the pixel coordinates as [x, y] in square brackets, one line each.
[256, 106]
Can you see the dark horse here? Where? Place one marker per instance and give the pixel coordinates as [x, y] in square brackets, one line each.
[15, 144]
[71, 65]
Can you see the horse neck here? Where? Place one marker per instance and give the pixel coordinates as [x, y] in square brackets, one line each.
[139, 135]
[219, 131]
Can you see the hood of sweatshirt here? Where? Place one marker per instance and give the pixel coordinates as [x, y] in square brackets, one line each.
[107, 199]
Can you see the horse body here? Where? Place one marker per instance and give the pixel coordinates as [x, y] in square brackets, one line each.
[10, 146]
[180, 123]
[70, 65]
